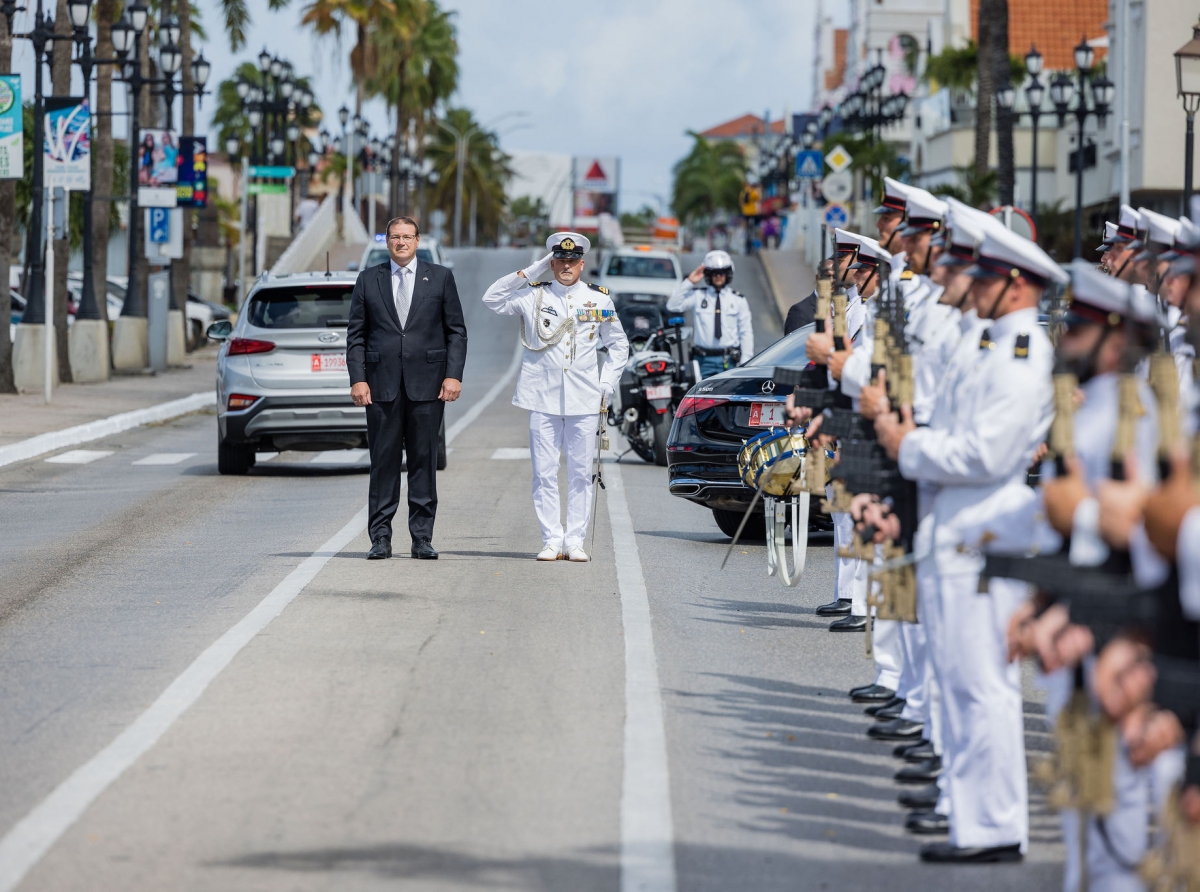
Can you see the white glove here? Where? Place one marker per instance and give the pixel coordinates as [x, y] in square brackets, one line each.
[606, 390]
[535, 270]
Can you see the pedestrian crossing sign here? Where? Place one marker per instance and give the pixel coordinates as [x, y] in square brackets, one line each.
[809, 164]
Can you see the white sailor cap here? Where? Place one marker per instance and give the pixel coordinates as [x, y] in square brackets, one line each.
[1129, 225]
[1005, 254]
[570, 245]
[924, 212]
[1101, 299]
[965, 227]
[1185, 236]
[870, 254]
[1160, 232]
[1110, 236]
[895, 197]
[846, 241]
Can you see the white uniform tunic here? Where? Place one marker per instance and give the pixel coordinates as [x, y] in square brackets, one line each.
[701, 300]
[561, 385]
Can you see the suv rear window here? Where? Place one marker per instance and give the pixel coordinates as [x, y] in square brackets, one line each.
[324, 306]
[642, 267]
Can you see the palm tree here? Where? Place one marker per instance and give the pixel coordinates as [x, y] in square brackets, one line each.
[485, 173]
[708, 179]
[328, 17]
[230, 115]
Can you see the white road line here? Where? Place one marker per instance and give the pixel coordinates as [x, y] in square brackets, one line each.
[647, 829]
[264, 456]
[79, 456]
[31, 837]
[104, 427]
[24, 845]
[165, 458]
[338, 457]
[506, 453]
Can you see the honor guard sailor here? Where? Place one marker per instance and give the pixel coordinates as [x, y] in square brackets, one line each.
[563, 323]
[723, 335]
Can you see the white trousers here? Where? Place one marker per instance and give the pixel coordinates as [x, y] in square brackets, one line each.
[850, 574]
[549, 436]
[913, 670]
[984, 732]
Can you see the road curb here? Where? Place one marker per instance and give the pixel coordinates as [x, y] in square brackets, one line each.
[774, 286]
[104, 427]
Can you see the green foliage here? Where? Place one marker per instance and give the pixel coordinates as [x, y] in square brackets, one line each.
[230, 117]
[977, 191]
[236, 18]
[485, 173]
[642, 219]
[416, 58]
[529, 219]
[707, 180]
[956, 68]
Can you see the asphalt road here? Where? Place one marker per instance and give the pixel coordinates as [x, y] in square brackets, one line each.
[481, 721]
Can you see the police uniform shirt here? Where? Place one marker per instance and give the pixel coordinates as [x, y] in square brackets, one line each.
[736, 327]
[564, 378]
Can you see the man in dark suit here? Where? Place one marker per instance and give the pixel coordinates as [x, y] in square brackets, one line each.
[406, 346]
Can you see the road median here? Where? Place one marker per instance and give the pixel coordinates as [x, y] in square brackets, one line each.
[789, 277]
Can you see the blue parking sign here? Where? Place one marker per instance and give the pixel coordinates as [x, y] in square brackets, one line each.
[160, 226]
[810, 165]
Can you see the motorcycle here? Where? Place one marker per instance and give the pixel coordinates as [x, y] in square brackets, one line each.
[654, 381]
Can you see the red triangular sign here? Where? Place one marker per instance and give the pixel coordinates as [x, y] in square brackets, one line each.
[596, 172]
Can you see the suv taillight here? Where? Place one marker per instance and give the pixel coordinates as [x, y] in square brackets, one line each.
[238, 346]
[690, 405]
[239, 401]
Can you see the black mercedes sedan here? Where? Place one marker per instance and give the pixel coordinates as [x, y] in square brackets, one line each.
[713, 421]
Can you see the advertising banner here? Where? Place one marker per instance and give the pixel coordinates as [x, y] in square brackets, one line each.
[158, 158]
[12, 145]
[596, 182]
[192, 187]
[68, 143]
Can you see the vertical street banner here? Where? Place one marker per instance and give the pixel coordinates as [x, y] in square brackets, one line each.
[192, 186]
[68, 144]
[12, 155]
[158, 158]
[596, 182]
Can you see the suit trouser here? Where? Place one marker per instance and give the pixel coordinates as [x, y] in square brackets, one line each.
[984, 734]
[414, 427]
[548, 436]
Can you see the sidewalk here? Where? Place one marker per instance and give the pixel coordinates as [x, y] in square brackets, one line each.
[789, 275]
[27, 415]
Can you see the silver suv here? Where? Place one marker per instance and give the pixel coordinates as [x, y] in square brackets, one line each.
[282, 382]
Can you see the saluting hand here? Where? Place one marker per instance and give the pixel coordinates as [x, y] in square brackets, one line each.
[696, 275]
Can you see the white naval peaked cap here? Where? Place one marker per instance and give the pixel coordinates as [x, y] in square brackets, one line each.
[924, 211]
[1004, 253]
[1129, 224]
[1160, 230]
[718, 260]
[568, 244]
[1103, 299]
[895, 196]
[1110, 236]
[847, 242]
[870, 253]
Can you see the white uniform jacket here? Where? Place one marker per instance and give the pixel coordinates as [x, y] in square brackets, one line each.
[736, 328]
[563, 378]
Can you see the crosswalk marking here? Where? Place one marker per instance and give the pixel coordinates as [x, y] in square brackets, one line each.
[79, 456]
[509, 453]
[165, 458]
[339, 457]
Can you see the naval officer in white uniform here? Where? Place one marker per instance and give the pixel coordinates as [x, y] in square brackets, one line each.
[563, 322]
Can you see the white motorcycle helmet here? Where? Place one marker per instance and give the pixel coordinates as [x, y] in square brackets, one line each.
[718, 262]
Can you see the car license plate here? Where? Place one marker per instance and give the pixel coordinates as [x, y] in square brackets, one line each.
[768, 414]
[329, 362]
[659, 392]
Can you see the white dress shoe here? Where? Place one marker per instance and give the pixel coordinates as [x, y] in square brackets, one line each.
[551, 553]
[576, 553]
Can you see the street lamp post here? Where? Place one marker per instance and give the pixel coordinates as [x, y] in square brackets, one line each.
[1061, 93]
[1035, 94]
[1187, 84]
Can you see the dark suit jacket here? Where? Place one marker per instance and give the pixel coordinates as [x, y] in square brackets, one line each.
[802, 312]
[431, 347]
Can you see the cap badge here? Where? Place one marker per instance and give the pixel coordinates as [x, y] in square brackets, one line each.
[567, 244]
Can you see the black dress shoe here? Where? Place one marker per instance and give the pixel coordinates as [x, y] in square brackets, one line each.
[423, 551]
[874, 709]
[889, 711]
[895, 729]
[920, 753]
[926, 823]
[381, 549]
[840, 607]
[944, 853]
[925, 798]
[921, 773]
[849, 624]
[902, 750]
[871, 693]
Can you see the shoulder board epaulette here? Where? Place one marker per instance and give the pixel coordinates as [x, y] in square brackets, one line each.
[596, 287]
[538, 284]
[1021, 348]
[906, 275]
[985, 340]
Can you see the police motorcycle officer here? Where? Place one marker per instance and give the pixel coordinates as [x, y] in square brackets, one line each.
[722, 333]
[563, 323]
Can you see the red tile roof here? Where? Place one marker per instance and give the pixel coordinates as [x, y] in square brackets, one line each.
[746, 125]
[836, 74]
[1053, 26]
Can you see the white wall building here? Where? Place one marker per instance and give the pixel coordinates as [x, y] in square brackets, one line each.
[546, 176]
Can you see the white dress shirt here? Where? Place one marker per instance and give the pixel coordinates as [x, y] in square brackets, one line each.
[736, 327]
[403, 277]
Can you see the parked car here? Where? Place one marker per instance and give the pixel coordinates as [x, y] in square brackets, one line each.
[200, 313]
[715, 419]
[282, 381]
[16, 311]
[430, 250]
[640, 270]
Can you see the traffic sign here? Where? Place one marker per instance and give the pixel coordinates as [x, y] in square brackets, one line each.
[266, 188]
[160, 226]
[809, 164]
[272, 172]
[838, 159]
[836, 215]
[837, 186]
